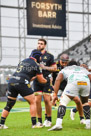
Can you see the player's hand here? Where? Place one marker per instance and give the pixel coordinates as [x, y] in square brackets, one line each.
[42, 66]
[54, 99]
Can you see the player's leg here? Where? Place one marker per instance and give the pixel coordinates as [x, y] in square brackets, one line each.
[48, 109]
[66, 97]
[32, 103]
[89, 104]
[11, 100]
[79, 108]
[51, 96]
[86, 109]
[74, 110]
[64, 100]
[38, 99]
[74, 90]
[47, 91]
[72, 113]
[27, 93]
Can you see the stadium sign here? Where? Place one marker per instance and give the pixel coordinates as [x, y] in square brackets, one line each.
[46, 17]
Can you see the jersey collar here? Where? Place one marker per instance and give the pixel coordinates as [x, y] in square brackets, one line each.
[44, 52]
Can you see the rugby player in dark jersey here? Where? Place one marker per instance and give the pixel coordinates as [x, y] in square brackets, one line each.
[19, 83]
[48, 66]
[64, 59]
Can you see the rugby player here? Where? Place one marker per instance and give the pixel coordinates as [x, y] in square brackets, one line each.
[74, 110]
[62, 63]
[78, 83]
[48, 66]
[19, 83]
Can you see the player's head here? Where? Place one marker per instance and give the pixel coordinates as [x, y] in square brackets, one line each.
[73, 62]
[64, 59]
[41, 44]
[36, 54]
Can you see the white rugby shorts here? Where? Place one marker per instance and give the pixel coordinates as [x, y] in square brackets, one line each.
[77, 88]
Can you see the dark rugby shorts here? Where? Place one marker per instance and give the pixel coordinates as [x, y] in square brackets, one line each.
[46, 88]
[18, 88]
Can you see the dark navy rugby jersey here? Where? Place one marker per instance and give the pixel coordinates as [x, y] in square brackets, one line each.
[47, 59]
[59, 68]
[27, 68]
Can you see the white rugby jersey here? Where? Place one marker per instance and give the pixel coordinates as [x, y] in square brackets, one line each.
[75, 73]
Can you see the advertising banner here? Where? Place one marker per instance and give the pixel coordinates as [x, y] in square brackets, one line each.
[46, 17]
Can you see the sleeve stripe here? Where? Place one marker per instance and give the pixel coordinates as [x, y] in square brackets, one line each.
[39, 74]
[53, 63]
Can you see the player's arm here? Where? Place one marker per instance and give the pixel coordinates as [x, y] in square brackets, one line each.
[56, 87]
[58, 82]
[41, 79]
[89, 77]
[33, 78]
[52, 68]
[52, 65]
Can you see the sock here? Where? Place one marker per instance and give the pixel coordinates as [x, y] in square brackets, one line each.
[75, 110]
[33, 120]
[86, 110]
[2, 120]
[45, 116]
[81, 118]
[55, 105]
[40, 120]
[49, 119]
[59, 121]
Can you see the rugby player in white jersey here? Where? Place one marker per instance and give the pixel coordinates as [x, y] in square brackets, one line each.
[78, 84]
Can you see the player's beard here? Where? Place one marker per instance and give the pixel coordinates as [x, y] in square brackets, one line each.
[40, 49]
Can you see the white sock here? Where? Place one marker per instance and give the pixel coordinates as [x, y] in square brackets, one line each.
[59, 121]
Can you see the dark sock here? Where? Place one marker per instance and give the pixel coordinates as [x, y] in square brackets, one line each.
[49, 119]
[86, 110]
[55, 104]
[75, 110]
[33, 119]
[45, 116]
[81, 118]
[2, 120]
[40, 120]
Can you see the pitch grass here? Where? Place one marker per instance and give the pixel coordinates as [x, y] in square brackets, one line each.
[20, 124]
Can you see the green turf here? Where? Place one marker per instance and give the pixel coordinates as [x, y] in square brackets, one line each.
[20, 124]
[20, 104]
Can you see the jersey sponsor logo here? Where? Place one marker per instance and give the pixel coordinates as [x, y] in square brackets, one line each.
[81, 83]
[68, 91]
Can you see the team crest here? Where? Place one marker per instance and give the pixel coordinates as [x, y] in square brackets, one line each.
[45, 57]
[49, 89]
